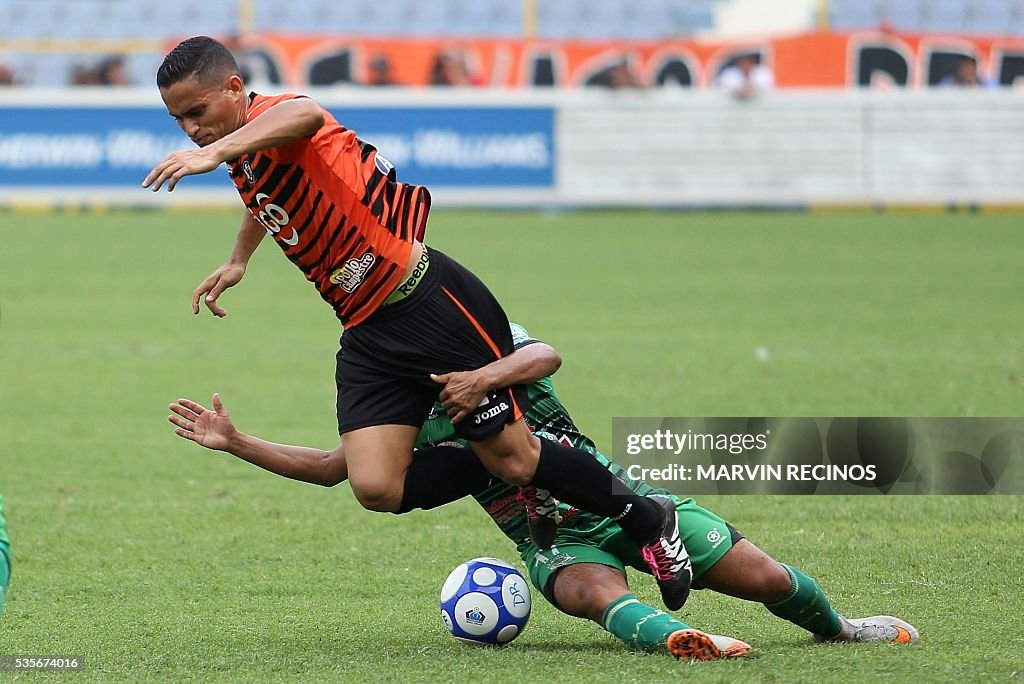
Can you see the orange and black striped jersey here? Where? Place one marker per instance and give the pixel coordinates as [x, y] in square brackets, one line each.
[336, 209]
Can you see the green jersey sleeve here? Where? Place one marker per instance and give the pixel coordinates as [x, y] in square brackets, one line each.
[520, 337]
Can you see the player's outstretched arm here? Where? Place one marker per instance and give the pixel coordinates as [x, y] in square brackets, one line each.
[250, 234]
[464, 390]
[280, 124]
[214, 429]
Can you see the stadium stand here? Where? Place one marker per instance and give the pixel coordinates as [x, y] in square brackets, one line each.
[42, 39]
[558, 18]
[939, 16]
[37, 29]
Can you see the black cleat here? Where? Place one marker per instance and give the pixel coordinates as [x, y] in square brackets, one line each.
[541, 514]
[668, 559]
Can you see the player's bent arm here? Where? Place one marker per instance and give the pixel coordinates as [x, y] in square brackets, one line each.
[523, 366]
[285, 121]
[464, 390]
[215, 430]
[250, 234]
[306, 464]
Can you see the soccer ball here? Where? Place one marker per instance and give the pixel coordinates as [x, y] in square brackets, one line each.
[485, 601]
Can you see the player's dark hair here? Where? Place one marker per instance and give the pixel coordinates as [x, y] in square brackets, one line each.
[199, 56]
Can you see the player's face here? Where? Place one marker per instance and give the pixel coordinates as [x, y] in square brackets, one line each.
[206, 112]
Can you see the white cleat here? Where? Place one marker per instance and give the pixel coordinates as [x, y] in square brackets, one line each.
[884, 628]
[876, 628]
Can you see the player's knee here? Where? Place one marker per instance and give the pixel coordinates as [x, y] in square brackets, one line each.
[772, 582]
[514, 471]
[380, 496]
[512, 457]
[579, 602]
[585, 590]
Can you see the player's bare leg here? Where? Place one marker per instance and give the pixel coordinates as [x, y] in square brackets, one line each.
[377, 458]
[748, 573]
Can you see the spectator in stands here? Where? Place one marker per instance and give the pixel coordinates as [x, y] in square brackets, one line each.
[746, 77]
[967, 76]
[380, 71]
[6, 75]
[111, 72]
[618, 76]
[452, 69]
[82, 75]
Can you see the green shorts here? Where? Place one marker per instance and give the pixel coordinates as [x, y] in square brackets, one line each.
[706, 537]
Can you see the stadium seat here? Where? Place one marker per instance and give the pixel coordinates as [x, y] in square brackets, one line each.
[555, 20]
[990, 16]
[943, 15]
[857, 14]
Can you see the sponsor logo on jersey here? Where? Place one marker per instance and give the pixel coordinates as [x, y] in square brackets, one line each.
[716, 538]
[247, 170]
[383, 165]
[274, 218]
[351, 275]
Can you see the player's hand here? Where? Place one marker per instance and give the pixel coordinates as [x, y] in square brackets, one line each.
[224, 277]
[178, 165]
[463, 391]
[211, 429]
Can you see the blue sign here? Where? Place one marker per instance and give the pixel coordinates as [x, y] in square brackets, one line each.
[433, 146]
[62, 146]
[472, 146]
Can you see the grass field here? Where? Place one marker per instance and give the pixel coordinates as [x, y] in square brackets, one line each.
[153, 559]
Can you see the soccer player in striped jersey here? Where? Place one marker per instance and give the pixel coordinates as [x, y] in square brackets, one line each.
[583, 573]
[337, 210]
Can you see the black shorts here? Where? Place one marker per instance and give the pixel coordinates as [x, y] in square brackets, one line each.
[451, 322]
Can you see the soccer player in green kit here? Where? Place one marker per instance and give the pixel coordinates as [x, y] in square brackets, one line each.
[583, 574]
[5, 557]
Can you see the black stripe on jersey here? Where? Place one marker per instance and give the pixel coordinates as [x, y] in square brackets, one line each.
[333, 240]
[299, 256]
[289, 188]
[377, 208]
[372, 183]
[315, 240]
[262, 164]
[365, 149]
[349, 242]
[298, 204]
[403, 228]
[380, 282]
[276, 176]
[312, 209]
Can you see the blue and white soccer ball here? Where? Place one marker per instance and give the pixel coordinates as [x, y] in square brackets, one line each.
[485, 601]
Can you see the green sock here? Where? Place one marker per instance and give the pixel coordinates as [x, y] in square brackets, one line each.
[807, 606]
[638, 625]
